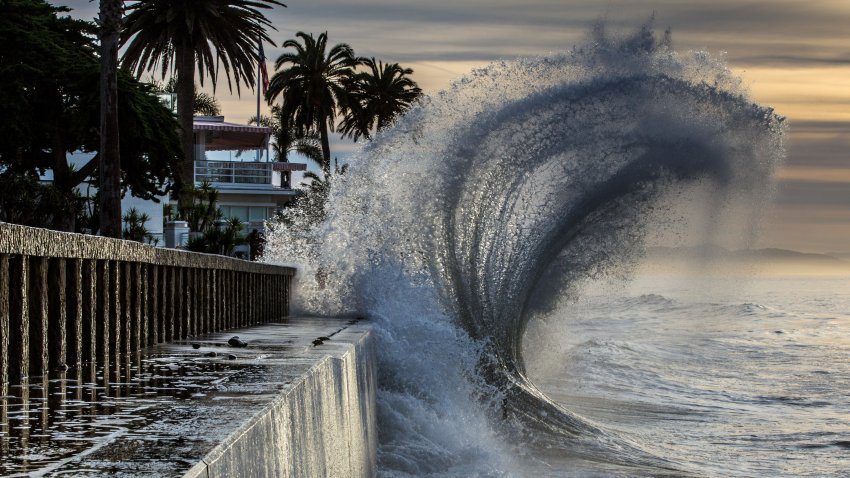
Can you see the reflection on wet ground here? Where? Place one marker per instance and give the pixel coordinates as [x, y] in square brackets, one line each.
[161, 410]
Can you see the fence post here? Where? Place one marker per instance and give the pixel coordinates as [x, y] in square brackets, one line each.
[89, 314]
[74, 320]
[103, 312]
[143, 313]
[5, 325]
[57, 308]
[39, 351]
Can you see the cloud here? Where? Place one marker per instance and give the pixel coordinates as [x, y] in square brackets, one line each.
[795, 55]
[790, 214]
[801, 192]
[763, 32]
[797, 61]
[817, 175]
[808, 126]
[825, 148]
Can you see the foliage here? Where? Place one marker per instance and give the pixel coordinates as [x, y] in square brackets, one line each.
[219, 240]
[135, 229]
[150, 144]
[184, 34]
[287, 138]
[28, 202]
[50, 104]
[202, 104]
[167, 211]
[39, 51]
[377, 97]
[201, 212]
[309, 209]
[88, 216]
[219, 33]
[312, 83]
[316, 86]
[205, 222]
[150, 147]
[205, 104]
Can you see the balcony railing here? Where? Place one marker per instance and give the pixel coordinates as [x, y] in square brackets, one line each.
[233, 172]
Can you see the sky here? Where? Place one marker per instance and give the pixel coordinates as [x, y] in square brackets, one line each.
[793, 55]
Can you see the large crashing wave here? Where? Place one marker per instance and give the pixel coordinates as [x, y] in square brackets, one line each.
[489, 201]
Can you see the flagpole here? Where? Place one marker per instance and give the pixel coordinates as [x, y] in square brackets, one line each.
[259, 85]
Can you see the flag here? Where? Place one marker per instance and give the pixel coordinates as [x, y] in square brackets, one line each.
[264, 72]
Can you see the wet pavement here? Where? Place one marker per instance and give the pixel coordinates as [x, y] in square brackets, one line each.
[160, 412]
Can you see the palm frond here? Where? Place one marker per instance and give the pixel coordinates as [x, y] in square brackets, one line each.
[310, 83]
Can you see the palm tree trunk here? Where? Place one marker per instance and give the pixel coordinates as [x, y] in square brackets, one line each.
[326, 147]
[382, 123]
[62, 181]
[110, 160]
[185, 112]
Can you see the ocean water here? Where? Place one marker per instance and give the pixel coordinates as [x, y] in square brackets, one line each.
[731, 376]
[474, 235]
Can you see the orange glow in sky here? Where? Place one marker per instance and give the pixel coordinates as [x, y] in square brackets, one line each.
[793, 56]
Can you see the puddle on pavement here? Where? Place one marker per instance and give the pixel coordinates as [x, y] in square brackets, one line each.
[166, 406]
[51, 419]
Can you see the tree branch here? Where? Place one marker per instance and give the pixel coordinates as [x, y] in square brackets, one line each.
[87, 170]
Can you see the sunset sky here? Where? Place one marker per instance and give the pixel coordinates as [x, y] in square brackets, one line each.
[795, 56]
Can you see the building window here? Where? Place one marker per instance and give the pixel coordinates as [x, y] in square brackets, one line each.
[240, 212]
[258, 214]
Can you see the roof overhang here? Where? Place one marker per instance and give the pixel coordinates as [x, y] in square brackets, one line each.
[221, 136]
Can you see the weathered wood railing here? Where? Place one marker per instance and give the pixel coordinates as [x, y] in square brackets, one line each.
[67, 300]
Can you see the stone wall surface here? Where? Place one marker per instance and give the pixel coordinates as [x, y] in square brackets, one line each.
[31, 241]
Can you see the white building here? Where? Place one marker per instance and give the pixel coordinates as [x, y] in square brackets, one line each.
[234, 158]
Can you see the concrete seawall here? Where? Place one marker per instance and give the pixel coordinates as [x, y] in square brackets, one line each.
[323, 424]
[297, 401]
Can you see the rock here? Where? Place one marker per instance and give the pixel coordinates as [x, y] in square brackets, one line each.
[318, 342]
[231, 357]
[196, 346]
[235, 342]
[211, 354]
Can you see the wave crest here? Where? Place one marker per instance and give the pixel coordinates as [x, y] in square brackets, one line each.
[497, 195]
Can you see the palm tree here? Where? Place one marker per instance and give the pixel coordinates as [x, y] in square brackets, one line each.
[379, 96]
[311, 205]
[287, 139]
[179, 33]
[314, 88]
[110, 160]
[202, 104]
[321, 185]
